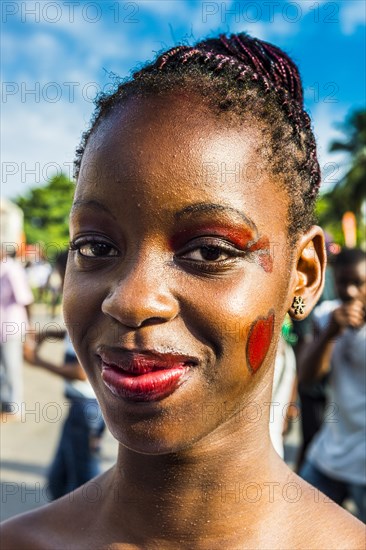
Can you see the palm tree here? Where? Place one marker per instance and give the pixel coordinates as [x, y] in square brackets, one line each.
[349, 193]
[351, 188]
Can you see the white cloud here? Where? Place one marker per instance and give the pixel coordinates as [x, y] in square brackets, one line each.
[45, 138]
[256, 29]
[309, 6]
[352, 15]
[166, 9]
[263, 20]
[40, 49]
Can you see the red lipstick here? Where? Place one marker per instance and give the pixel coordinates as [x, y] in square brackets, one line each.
[144, 376]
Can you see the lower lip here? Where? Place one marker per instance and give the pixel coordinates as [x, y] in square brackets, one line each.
[151, 386]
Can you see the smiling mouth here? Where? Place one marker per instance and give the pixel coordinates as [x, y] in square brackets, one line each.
[137, 376]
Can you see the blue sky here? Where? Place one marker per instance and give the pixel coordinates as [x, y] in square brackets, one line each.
[56, 56]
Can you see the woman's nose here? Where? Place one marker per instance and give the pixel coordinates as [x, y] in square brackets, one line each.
[141, 296]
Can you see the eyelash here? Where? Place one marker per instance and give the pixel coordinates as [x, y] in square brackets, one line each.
[81, 242]
[218, 245]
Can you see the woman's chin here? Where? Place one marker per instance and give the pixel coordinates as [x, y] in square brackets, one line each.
[152, 442]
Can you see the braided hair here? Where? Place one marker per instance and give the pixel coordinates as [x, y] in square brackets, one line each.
[240, 78]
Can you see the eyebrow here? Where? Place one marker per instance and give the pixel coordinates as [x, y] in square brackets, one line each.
[203, 207]
[90, 203]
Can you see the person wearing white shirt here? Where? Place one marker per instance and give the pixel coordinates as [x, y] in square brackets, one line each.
[15, 299]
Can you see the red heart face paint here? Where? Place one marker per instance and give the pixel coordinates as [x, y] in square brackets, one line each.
[259, 340]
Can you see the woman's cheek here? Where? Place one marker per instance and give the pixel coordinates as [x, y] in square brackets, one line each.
[78, 300]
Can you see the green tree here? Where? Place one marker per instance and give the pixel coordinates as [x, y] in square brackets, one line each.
[46, 212]
[350, 192]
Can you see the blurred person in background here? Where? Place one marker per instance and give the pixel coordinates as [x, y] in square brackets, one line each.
[15, 300]
[38, 273]
[53, 289]
[336, 459]
[77, 459]
[282, 403]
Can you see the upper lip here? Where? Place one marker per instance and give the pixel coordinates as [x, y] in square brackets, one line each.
[142, 361]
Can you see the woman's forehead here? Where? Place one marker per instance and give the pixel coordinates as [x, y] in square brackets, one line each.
[171, 155]
[158, 135]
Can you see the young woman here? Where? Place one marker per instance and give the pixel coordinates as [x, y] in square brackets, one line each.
[191, 237]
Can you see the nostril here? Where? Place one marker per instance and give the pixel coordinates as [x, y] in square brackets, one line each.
[152, 321]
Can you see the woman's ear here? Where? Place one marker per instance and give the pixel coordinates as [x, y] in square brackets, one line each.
[310, 271]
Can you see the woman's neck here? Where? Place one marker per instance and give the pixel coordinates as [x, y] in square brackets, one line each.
[202, 493]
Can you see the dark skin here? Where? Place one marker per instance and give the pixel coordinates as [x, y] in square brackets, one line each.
[350, 281]
[180, 457]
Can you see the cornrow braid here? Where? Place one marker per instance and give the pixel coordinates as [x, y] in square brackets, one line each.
[239, 76]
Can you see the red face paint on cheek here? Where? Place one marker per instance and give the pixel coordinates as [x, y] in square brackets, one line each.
[259, 340]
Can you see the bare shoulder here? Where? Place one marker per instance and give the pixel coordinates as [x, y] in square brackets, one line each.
[27, 531]
[322, 524]
[64, 523]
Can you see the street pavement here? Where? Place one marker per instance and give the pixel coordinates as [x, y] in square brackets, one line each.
[27, 446]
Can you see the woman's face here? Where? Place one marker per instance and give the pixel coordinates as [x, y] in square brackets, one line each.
[178, 283]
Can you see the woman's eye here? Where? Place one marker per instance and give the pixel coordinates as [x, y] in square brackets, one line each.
[95, 249]
[207, 254]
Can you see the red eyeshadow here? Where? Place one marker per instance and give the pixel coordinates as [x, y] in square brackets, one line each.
[238, 237]
[260, 244]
